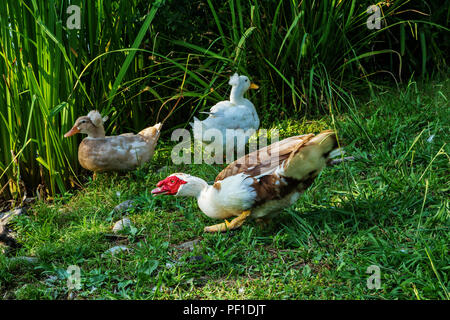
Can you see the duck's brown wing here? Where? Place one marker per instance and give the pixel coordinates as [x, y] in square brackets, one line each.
[266, 159]
[285, 166]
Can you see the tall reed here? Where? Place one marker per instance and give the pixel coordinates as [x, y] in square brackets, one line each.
[42, 60]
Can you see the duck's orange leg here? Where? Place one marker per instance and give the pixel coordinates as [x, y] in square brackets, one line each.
[234, 224]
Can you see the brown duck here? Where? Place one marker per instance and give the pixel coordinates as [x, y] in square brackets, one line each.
[99, 153]
[260, 184]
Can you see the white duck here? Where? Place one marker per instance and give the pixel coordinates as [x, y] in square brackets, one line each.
[260, 184]
[237, 114]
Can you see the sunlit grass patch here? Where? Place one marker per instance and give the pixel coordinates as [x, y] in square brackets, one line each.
[388, 208]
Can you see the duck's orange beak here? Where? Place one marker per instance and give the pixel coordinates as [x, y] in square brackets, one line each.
[254, 86]
[72, 131]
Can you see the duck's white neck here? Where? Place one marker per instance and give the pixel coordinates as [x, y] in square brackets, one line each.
[194, 188]
[205, 195]
[237, 94]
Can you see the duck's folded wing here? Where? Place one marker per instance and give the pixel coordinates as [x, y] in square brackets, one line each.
[293, 157]
[265, 160]
[114, 153]
[290, 165]
[221, 106]
[238, 117]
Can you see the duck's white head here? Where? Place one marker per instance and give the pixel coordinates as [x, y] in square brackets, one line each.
[180, 184]
[243, 82]
[92, 125]
[240, 84]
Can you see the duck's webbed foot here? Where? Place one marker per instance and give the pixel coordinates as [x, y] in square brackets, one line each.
[234, 224]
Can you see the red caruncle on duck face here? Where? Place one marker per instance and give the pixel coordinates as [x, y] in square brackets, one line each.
[169, 186]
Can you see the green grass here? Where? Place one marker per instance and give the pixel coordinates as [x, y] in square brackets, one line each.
[390, 208]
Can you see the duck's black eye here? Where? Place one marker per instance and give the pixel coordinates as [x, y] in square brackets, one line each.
[246, 80]
[172, 181]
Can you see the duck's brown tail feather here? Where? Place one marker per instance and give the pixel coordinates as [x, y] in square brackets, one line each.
[151, 133]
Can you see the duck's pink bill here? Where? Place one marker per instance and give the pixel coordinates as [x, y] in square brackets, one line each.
[158, 191]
